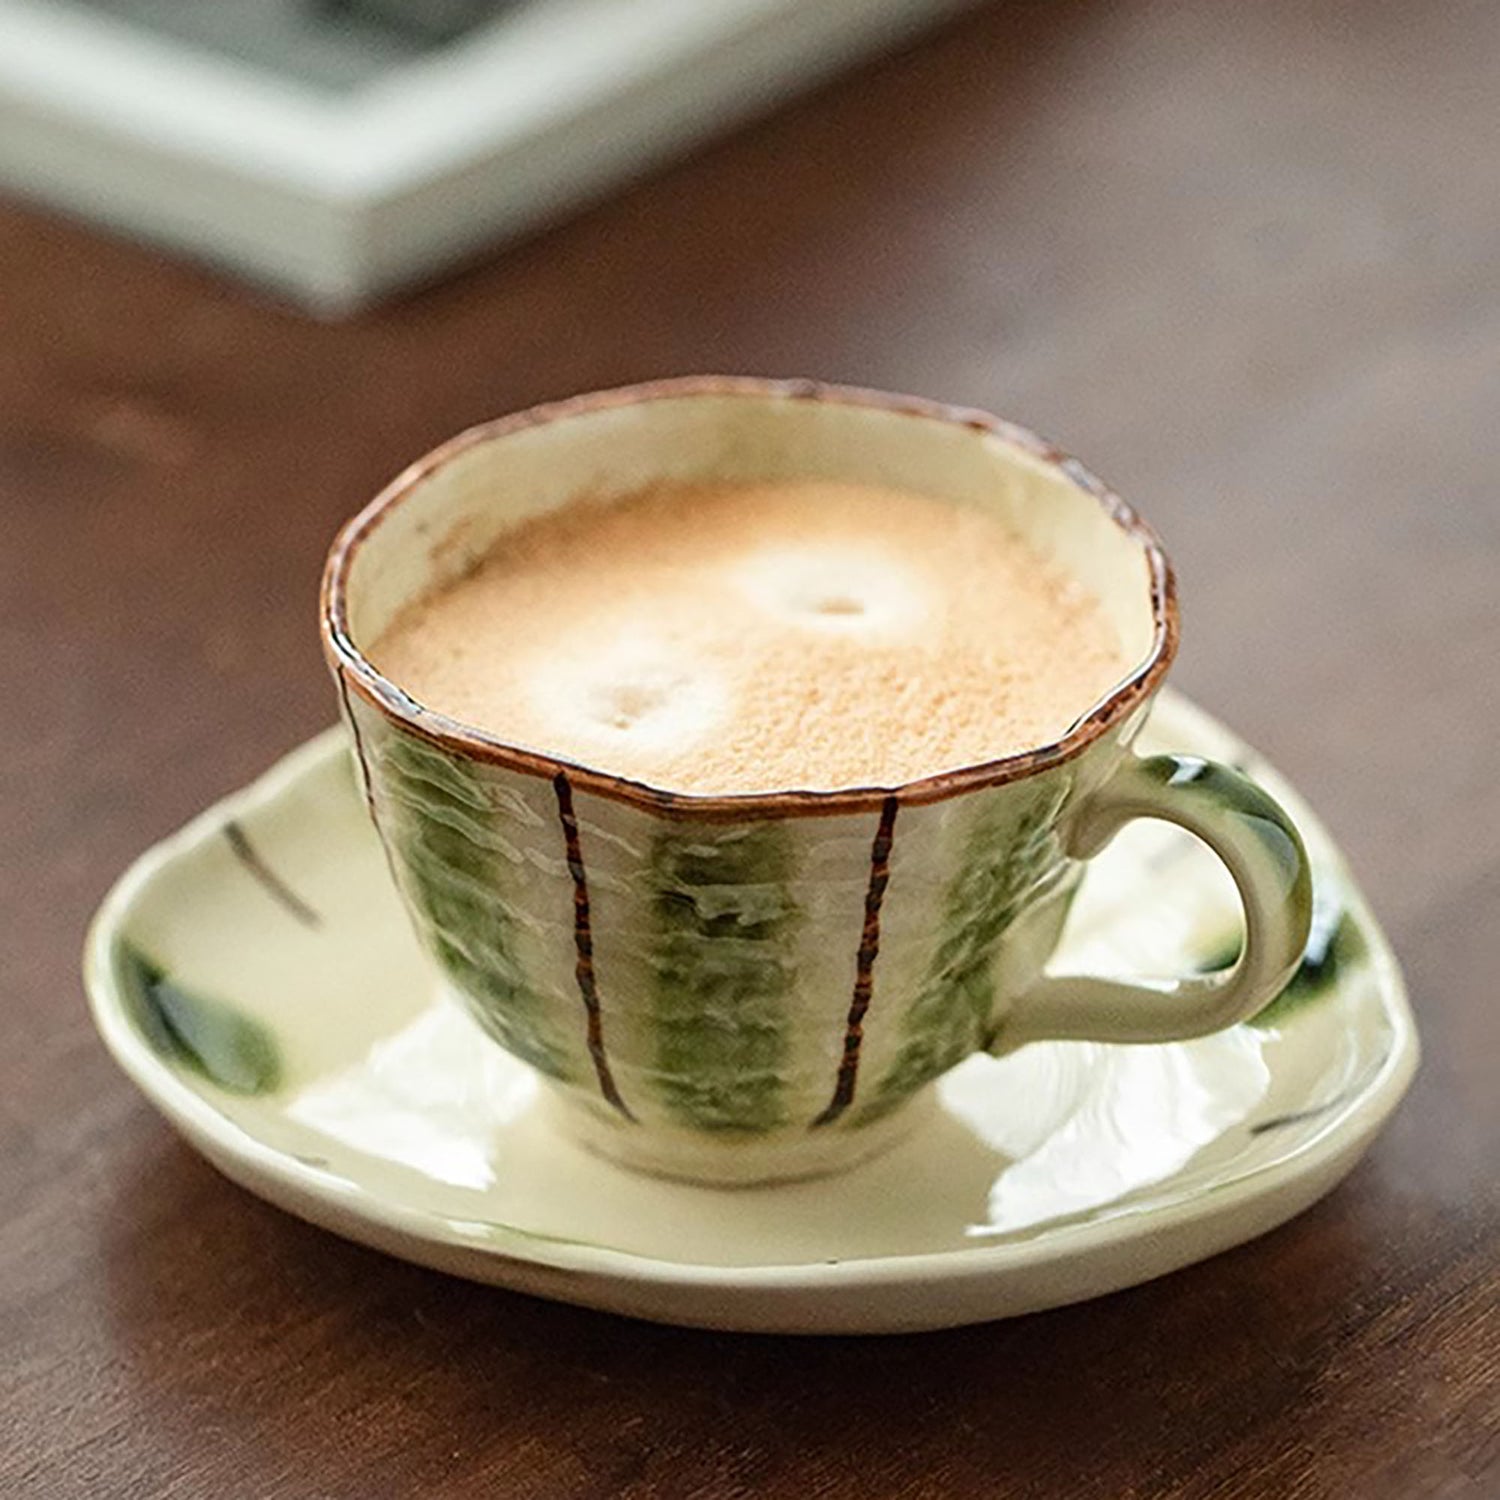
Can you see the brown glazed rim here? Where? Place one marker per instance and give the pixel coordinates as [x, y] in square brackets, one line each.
[355, 671]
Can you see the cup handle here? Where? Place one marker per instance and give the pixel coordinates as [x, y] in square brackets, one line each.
[1251, 833]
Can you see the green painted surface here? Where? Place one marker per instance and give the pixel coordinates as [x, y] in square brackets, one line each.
[1254, 810]
[722, 972]
[186, 1028]
[441, 822]
[1335, 945]
[999, 868]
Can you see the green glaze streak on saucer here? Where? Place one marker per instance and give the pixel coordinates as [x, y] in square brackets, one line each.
[457, 874]
[227, 1048]
[722, 974]
[1000, 866]
[1334, 947]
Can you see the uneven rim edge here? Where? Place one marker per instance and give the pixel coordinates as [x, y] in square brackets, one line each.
[188, 1111]
[351, 665]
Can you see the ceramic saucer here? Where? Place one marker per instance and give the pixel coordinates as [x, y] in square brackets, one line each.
[256, 979]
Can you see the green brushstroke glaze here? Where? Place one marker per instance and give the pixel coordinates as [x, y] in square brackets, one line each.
[1001, 865]
[209, 1037]
[1334, 946]
[724, 922]
[1253, 809]
[442, 824]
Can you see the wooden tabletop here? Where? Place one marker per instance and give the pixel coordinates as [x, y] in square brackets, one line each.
[1245, 261]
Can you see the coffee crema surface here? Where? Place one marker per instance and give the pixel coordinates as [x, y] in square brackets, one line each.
[737, 638]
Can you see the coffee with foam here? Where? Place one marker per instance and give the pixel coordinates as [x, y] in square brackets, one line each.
[758, 637]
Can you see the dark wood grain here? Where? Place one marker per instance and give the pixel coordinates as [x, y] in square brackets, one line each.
[1245, 261]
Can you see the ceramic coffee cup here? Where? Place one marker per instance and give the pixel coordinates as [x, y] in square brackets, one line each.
[752, 987]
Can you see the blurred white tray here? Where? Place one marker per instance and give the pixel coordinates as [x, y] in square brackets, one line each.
[333, 194]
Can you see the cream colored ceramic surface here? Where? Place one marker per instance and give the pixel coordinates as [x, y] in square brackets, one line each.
[736, 989]
[1057, 1173]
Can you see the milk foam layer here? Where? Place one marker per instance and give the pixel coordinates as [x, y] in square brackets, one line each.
[759, 637]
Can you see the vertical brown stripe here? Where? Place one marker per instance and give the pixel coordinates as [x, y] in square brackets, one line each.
[366, 785]
[864, 969]
[583, 941]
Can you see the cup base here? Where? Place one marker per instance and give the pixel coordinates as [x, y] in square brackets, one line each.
[732, 1160]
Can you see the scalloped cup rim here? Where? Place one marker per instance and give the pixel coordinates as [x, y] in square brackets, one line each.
[355, 669]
